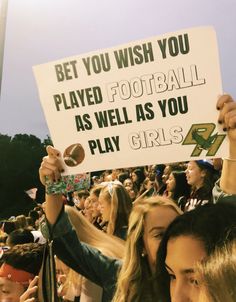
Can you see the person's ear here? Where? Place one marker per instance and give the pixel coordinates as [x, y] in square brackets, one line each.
[203, 173]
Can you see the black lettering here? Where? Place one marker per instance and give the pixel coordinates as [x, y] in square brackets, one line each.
[162, 45]
[148, 109]
[121, 57]
[148, 52]
[59, 73]
[162, 105]
[184, 45]
[58, 101]
[101, 118]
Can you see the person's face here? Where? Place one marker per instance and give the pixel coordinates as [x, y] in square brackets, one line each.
[194, 174]
[166, 174]
[82, 201]
[95, 207]
[171, 183]
[88, 209]
[87, 203]
[183, 253]
[10, 291]
[75, 196]
[62, 271]
[129, 186]
[152, 172]
[76, 199]
[128, 183]
[96, 180]
[155, 224]
[203, 296]
[105, 206]
[134, 177]
[115, 173]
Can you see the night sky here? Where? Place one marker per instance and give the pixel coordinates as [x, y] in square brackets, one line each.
[39, 31]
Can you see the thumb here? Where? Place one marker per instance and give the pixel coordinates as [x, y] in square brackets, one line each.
[52, 152]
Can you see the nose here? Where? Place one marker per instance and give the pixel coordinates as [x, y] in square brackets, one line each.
[179, 293]
[180, 297]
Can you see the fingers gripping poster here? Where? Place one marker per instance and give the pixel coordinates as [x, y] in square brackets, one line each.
[146, 102]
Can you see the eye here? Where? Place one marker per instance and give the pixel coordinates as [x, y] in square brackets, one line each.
[171, 276]
[194, 282]
[159, 235]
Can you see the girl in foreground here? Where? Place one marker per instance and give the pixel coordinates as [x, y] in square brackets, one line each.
[194, 236]
[190, 239]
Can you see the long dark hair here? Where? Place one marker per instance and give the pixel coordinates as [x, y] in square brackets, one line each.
[213, 225]
[182, 187]
[140, 175]
[205, 192]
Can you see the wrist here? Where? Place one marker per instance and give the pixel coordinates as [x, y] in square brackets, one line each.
[230, 159]
[55, 188]
[232, 151]
[68, 183]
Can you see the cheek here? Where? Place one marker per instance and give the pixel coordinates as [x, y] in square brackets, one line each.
[15, 294]
[172, 288]
[195, 174]
[191, 177]
[195, 294]
[105, 210]
[202, 295]
[172, 185]
[97, 209]
[151, 247]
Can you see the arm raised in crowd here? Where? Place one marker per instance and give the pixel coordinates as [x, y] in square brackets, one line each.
[51, 168]
[85, 259]
[227, 117]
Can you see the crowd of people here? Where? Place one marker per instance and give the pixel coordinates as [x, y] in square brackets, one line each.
[165, 232]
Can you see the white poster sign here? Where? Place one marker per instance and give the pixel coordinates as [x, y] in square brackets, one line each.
[146, 102]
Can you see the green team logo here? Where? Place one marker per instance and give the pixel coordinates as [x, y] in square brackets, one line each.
[202, 136]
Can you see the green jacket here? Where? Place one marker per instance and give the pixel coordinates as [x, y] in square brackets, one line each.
[82, 258]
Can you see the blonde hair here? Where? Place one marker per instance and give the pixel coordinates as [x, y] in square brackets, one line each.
[109, 245]
[121, 205]
[96, 190]
[217, 274]
[131, 277]
[72, 278]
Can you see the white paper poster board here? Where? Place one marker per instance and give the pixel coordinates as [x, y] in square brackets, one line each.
[146, 102]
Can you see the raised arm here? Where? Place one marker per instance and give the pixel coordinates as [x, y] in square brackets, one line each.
[81, 257]
[227, 117]
[50, 169]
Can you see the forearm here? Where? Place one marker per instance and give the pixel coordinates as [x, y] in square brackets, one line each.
[227, 118]
[228, 176]
[86, 260]
[54, 204]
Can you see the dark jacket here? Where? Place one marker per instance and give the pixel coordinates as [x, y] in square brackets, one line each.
[84, 259]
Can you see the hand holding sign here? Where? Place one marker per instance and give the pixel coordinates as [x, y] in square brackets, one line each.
[51, 166]
[227, 118]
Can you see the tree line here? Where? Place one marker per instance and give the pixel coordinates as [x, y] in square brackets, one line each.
[20, 158]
